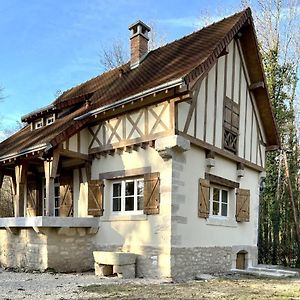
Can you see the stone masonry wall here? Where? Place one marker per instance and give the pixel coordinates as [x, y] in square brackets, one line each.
[63, 250]
[188, 262]
[23, 249]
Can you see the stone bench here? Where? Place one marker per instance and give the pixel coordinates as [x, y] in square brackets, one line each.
[109, 263]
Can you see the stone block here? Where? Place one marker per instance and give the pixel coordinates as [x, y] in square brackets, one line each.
[124, 271]
[114, 258]
[103, 270]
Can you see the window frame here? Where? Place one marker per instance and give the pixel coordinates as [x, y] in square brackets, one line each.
[38, 123]
[123, 182]
[220, 202]
[56, 208]
[50, 118]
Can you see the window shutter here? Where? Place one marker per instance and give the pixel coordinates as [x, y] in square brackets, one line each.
[95, 198]
[66, 197]
[203, 201]
[151, 193]
[242, 205]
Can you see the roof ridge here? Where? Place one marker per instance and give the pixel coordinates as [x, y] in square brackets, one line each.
[199, 30]
[205, 65]
[149, 53]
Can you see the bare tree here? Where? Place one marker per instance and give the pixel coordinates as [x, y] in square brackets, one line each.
[117, 54]
[114, 55]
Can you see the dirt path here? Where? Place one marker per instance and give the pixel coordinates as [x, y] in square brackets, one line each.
[87, 286]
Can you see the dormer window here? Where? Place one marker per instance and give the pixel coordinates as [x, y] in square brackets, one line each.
[38, 124]
[50, 120]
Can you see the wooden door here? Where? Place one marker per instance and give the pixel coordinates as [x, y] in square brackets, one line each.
[66, 196]
[241, 261]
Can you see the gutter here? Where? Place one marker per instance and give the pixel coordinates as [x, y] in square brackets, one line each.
[129, 99]
[23, 152]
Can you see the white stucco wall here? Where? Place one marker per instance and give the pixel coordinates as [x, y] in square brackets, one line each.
[199, 232]
[137, 231]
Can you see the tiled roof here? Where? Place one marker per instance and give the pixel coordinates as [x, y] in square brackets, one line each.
[178, 59]
[186, 58]
[54, 133]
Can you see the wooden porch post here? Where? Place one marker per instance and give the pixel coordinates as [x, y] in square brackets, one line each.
[50, 169]
[20, 196]
[1, 177]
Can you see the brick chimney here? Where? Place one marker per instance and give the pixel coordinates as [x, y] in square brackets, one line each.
[139, 42]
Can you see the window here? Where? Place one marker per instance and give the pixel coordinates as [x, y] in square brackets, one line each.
[56, 196]
[218, 201]
[231, 125]
[38, 124]
[128, 196]
[50, 120]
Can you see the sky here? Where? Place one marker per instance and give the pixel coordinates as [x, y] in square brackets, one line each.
[51, 45]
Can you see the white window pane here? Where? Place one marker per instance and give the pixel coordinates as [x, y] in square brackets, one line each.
[224, 196]
[216, 195]
[215, 208]
[129, 203]
[129, 188]
[224, 209]
[140, 187]
[117, 204]
[117, 190]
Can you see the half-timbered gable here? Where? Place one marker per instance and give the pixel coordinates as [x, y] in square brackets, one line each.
[224, 114]
[162, 157]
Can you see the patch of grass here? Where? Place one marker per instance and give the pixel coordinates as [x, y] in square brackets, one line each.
[217, 289]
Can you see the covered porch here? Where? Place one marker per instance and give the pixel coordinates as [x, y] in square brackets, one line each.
[57, 184]
[55, 212]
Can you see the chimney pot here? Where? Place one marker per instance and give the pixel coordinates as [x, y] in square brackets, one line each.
[139, 42]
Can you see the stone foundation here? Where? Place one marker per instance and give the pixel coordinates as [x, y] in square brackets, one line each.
[63, 249]
[188, 262]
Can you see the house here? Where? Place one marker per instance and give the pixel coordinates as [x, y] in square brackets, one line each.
[161, 157]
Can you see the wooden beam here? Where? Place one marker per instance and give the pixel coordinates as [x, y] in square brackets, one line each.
[125, 173]
[222, 181]
[20, 175]
[256, 85]
[225, 51]
[221, 152]
[50, 169]
[1, 177]
[74, 154]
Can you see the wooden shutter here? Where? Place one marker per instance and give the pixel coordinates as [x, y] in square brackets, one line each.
[32, 198]
[66, 196]
[151, 193]
[242, 205]
[203, 198]
[95, 198]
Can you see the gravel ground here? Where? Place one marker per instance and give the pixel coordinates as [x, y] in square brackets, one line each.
[45, 286]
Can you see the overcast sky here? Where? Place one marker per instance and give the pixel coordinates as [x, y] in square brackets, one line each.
[50, 45]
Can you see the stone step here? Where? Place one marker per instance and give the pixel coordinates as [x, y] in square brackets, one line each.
[268, 272]
[273, 270]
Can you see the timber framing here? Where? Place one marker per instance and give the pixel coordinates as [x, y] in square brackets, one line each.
[125, 173]
[222, 181]
[221, 152]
